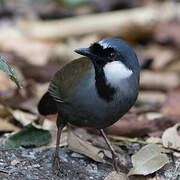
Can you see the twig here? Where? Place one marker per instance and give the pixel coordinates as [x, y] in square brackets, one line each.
[122, 23]
[125, 139]
[4, 171]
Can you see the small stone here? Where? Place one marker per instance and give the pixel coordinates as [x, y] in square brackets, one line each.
[35, 165]
[13, 162]
[76, 155]
[2, 164]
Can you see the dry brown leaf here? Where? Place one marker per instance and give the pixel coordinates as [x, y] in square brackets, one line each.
[7, 126]
[176, 154]
[4, 111]
[175, 66]
[154, 140]
[171, 137]
[150, 116]
[148, 160]
[49, 125]
[78, 145]
[100, 143]
[116, 176]
[23, 117]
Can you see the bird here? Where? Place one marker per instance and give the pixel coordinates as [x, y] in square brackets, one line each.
[95, 90]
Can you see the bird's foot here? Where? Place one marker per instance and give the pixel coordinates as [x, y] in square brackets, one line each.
[117, 165]
[115, 159]
[56, 164]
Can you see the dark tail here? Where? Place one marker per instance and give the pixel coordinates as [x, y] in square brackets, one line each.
[47, 105]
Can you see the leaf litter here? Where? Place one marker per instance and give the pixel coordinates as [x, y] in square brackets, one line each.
[156, 110]
[171, 137]
[83, 147]
[28, 136]
[148, 160]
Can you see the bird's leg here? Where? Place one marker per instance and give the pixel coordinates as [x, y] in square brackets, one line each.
[114, 155]
[56, 160]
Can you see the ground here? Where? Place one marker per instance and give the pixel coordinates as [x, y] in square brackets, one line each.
[34, 164]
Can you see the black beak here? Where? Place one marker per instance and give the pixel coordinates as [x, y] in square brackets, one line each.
[83, 51]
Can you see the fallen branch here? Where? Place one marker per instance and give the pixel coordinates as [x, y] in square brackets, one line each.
[122, 23]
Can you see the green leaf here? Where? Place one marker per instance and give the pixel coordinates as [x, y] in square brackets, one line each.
[148, 159]
[74, 2]
[7, 69]
[28, 136]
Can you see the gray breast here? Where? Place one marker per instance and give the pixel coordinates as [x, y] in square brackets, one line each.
[85, 108]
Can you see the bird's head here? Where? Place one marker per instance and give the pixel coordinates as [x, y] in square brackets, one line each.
[111, 50]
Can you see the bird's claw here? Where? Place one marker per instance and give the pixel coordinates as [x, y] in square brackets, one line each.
[56, 164]
[115, 159]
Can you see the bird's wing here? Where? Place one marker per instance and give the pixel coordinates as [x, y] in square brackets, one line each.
[67, 78]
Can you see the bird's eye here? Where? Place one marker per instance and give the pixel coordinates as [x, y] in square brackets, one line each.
[112, 55]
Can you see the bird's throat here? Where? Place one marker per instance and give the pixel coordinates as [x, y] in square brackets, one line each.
[105, 91]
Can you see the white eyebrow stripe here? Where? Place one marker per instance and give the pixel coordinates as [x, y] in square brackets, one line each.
[104, 44]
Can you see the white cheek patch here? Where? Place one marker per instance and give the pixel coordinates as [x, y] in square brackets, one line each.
[115, 72]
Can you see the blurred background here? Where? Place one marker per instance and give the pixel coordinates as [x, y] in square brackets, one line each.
[37, 37]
